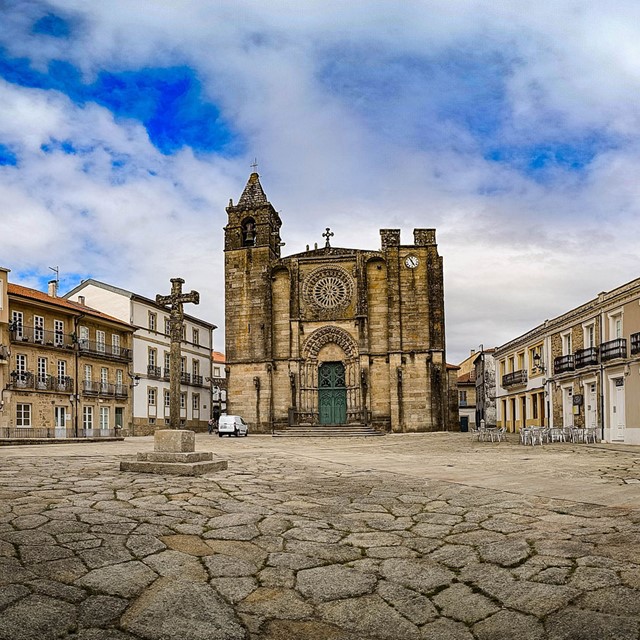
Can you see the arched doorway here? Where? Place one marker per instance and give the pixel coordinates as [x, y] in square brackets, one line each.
[332, 393]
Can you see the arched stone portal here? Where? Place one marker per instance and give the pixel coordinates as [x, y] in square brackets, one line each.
[330, 376]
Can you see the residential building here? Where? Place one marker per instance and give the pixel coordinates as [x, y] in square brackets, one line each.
[579, 369]
[151, 348]
[65, 366]
[466, 388]
[485, 374]
[219, 381]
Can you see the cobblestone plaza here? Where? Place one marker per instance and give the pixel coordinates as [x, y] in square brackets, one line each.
[414, 536]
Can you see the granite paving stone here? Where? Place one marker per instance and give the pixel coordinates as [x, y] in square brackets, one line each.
[411, 536]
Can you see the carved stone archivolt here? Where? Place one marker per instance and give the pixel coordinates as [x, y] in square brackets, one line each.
[328, 289]
[323, 336]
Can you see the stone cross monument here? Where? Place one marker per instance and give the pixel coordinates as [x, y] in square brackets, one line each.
[174, 448]
[176, 328]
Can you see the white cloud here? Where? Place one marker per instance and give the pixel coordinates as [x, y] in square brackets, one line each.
[516, 250]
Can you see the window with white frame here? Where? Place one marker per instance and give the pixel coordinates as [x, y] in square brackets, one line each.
[153, 321]
[152, 356]
[62, 371]
[58, 332]
[566, 343]
[167, 362]
[83, 337]
[100, 341]
[183, 400]
[115, 344]
[17, 323]
[195, 402]
[42, 370]
[104, 379]
[615, 325]
[195, 367]
[119, 377]
[183, 365]
[589, 335]
[87, 417]
[38, 328]
[21, 368]
[196, 336]
[216, 372]
[88, 372]
[167, 326]
[167, 398]
[104, 418]
[151, 396]
[23, 415]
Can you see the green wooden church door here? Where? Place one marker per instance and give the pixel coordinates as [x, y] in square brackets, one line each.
[332, 393]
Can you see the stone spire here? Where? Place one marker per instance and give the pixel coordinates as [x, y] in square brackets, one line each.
[253, 196]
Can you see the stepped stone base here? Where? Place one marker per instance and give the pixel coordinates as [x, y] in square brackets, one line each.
[174, 453]
[328, 431]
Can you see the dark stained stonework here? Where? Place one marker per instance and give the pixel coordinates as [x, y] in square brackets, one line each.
[374, 318]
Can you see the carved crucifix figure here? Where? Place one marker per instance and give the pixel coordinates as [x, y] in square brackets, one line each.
[176, 326]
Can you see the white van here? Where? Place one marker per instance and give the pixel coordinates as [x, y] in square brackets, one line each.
[232, 426]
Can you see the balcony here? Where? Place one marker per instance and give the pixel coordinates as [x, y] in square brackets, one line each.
[165, 373]
[185, 378]
[104, 389]
[153, 371]
[613, 349]
[44, 382]
[121, 390]
[586, 357]
[197, 380]
[100, 349]
[635, 344]
[37, 335]
[562, 364]
[514, 378]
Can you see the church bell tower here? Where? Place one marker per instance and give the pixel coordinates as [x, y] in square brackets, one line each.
[252, 246]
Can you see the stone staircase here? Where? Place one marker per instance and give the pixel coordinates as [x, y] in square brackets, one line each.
[327, 431]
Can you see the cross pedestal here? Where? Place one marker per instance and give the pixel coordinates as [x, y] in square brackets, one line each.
[175, 454]
[175, 449]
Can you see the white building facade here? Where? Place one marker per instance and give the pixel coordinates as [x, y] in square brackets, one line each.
[151, 348]
[581, 369]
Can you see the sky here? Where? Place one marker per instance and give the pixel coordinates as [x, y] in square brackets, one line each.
[511, 127]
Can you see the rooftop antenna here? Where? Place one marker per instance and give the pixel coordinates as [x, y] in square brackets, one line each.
[56, 270]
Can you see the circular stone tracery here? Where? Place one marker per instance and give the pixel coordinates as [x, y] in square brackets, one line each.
[328, 288]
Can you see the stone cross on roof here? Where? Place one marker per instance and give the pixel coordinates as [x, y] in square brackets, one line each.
[327, 234]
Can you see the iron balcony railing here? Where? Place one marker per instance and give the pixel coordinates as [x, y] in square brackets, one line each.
[37, 335]
[185, 378]
[105, 350]
[42, 382]
[165, 373]
[514, 378]
[586, 357]
[613, 349]
[94, 388]
[562, 364]
[197, 380]
[153, 371]
[635, 343]
[55, 432]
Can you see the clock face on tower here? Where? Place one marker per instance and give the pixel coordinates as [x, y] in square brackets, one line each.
[412, 262]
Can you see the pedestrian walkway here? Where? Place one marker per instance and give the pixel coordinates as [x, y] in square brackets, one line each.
[395, 538]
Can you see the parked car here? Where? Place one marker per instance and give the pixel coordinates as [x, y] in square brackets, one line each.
[232, 426]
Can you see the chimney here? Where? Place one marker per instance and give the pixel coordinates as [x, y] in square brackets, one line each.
[81, 300]
[53, 288]
[472, 351]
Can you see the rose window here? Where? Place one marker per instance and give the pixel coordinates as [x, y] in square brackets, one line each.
[330, 288]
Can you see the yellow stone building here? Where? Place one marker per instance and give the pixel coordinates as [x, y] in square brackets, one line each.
[333, 336]
[63, 366]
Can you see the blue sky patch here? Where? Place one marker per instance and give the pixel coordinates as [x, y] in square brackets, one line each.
[52, 25]
[7, 156]
[167, 101]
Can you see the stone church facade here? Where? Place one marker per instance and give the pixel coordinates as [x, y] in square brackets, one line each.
[332, 335]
